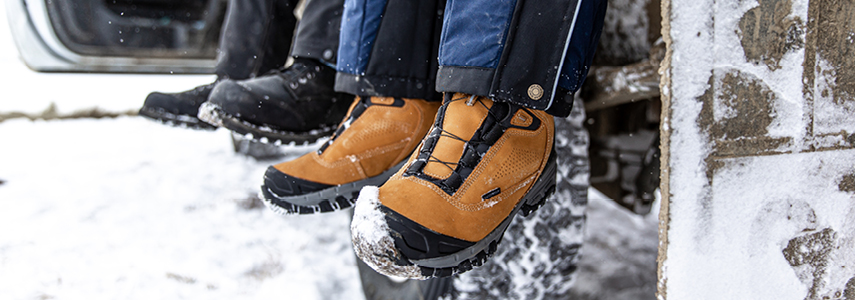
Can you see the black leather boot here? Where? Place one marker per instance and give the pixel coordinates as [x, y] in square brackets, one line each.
[296, 104]
[178, 108]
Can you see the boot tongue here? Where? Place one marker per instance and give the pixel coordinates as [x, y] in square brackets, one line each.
[460, 120]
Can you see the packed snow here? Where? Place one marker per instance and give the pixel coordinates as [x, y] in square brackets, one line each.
[131, 209]
[371, 237]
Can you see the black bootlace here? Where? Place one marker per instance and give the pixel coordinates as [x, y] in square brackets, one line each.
[470, 144]
[297, 73]
[474, 149]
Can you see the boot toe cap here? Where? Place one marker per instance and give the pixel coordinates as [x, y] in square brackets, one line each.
[227, 93]
[284, 185]
[169, 103]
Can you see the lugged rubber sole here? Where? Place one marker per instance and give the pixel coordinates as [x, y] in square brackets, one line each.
[175, 120]
[213, 114]
[327, 200]
[325, 205]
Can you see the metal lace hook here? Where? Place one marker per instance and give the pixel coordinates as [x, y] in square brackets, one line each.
[471, 101]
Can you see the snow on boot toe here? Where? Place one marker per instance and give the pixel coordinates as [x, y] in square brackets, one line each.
[209, 112]
[371, 239]
[177, 109]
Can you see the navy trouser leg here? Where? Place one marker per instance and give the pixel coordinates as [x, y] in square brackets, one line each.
[528, 52]
[389, 48]
[534, 53]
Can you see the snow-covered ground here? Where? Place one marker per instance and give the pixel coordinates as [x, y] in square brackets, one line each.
[130, 209]
[126, 208]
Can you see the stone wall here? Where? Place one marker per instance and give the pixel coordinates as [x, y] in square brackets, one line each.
[758, 141]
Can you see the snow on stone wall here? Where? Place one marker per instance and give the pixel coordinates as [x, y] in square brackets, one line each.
[758, 138]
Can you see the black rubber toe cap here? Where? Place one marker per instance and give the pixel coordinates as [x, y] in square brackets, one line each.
[284, 185]
[228, 94]
[167, 103]
[184, 103]
[415, 241]
[253, 102]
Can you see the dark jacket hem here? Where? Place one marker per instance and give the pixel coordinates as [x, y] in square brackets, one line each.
[469, 80]
[386, 86]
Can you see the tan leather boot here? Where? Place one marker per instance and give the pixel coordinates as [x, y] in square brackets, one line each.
[447, 208]
[374, 140]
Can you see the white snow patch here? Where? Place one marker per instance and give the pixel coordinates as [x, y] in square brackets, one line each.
[371, 239]
[127, 208]
[209, 112]
[368, 222]
[755, 222]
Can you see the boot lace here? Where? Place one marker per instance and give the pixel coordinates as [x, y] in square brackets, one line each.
[296, 74]
[474, 148]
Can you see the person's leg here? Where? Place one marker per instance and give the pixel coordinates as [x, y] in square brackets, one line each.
[387, 58]
[296, 104]
[318, 32]
[389, 48]
[255, 37]
[529, 42]
[491, 153]
[255, 34]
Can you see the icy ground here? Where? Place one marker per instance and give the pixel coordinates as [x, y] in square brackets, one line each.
[126, 208]
[129, 209]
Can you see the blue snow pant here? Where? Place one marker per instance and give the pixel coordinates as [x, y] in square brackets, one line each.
[534, 53]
